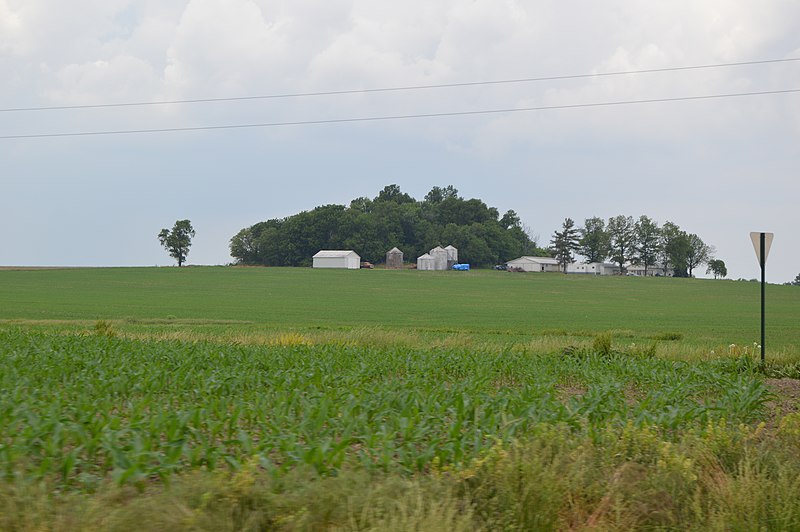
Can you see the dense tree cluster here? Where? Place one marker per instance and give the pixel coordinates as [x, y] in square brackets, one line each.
[392, 219]
[625, 240]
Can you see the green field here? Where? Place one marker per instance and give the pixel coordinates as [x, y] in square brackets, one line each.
[687, 316]
[300, 399]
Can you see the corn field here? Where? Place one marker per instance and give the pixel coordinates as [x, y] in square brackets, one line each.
[82, 409]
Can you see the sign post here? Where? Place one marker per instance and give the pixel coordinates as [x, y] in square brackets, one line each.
[762, 243]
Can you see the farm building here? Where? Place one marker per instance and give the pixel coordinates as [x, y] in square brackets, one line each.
[334, 258]
[426, 262]
[439, 255]
[394, 259]
[452, 256]
[593, 268]
[535, 264]
[438, 258]
[656, 270]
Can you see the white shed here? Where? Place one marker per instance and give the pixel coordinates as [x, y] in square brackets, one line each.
[335, 258]
[426, 262]
[535, 264]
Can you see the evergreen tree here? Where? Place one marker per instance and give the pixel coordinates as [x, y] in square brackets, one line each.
[565, 243]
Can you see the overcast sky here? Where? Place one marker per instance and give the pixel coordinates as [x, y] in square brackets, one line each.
[719, 168]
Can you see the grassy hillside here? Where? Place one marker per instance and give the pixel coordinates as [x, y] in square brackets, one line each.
[700, 315]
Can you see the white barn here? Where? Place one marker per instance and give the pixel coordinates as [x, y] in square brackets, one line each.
[336, 258]
[535, 264]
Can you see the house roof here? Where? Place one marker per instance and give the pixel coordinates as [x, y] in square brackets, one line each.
[394, 250]
[423, 257]
[334, 253]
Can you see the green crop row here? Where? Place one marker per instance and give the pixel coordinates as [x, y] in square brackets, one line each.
[79, 409]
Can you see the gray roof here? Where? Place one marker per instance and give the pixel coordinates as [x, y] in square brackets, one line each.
[334, 253]
[539, 260]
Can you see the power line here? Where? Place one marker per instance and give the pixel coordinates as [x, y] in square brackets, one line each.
[395, 89]
[396, 117]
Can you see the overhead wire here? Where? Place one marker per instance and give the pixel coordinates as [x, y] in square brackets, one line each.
[399, 88]
[398, 117]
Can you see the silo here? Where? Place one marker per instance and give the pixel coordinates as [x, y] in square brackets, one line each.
[452, 256]
[439, 258]
[425, 262]
[394, 259]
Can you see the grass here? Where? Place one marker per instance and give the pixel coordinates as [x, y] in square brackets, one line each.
[682, 315]
[300, 399]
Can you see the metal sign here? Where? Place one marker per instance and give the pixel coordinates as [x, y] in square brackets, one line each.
[761, 243]
[756, 238]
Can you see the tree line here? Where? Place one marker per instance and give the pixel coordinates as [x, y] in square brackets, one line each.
[625, 240]
[393, 218]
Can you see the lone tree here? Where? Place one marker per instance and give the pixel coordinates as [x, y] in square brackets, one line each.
[717, 267]
[178, 241]
[564, 243]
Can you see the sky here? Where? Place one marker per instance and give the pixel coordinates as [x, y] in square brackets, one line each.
[720, 168]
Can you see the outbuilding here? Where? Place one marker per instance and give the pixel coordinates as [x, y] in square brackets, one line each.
[535, 264]
[394, 259]
[336, 258]
[426, 262]
[593, 268]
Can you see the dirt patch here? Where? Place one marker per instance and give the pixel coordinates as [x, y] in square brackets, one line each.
[565, 391]
[787, 397]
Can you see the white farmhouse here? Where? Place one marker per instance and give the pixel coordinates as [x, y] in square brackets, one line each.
[656, 270]
[334, 258]
[535, 264]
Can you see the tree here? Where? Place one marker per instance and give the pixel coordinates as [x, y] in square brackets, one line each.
[621, 237]
[796, 281]
[594, 240]
[394, 194]
[438, 194]
[717, 267]
[646, 235]
[670, 233]
[510, 219]
[697, 253]
[372, 226]
[564, 243]
[178, 241]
